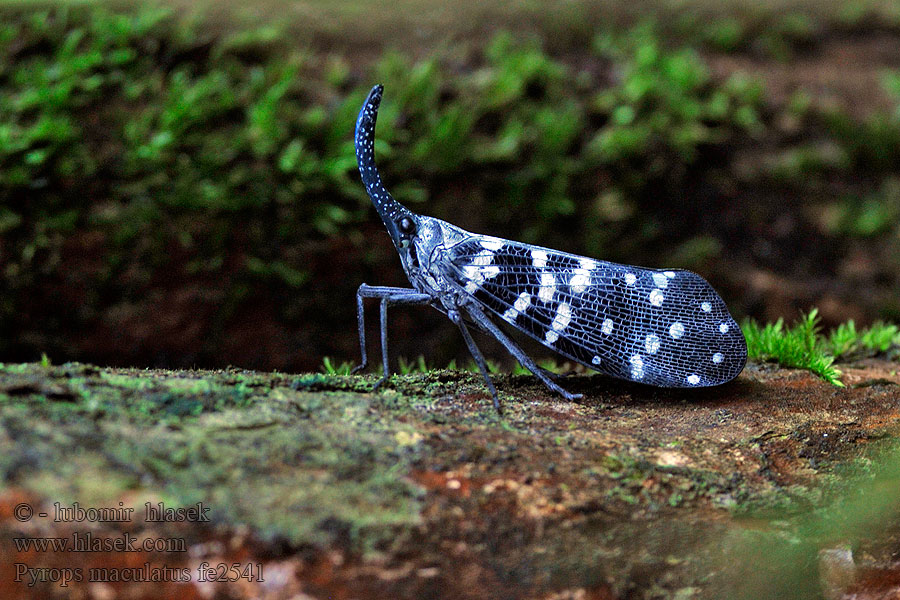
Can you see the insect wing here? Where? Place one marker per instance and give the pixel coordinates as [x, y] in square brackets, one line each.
[662, 327]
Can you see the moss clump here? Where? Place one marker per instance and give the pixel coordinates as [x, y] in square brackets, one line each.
[300, 466]
[800, 346]
[879, 338]
[804, 346]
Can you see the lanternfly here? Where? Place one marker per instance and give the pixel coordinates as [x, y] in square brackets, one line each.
[665, 328]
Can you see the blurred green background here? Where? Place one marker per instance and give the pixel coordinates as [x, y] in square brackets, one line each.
[178, 185]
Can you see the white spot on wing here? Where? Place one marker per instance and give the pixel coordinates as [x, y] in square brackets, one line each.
[510, 314]
[548, 287]
[660, 280]
[637, 366]
[607, 327]
[652, 343]
[676, 330]
[492, 244]
[473, 274]
[579, 281]
[723, 327]
[705, 306]
[656, 297]
[595, 360]
[539, 258]
[522, 301]
[471, 287]
[669, 274]
[718, 357]
[693, 379]
[551, 336]
[630, 278]
[563, 316]
[587, 264]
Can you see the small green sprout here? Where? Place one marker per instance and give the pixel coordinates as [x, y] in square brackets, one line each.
[330, 368]
[844, 339]
[880, 337]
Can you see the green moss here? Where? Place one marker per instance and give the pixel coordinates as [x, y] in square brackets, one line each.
[804, 346]
[306, 467]
[800, 346]
[879, 338]
[666, 99]
[332, 369]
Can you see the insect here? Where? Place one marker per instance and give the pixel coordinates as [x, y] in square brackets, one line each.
[666, 328]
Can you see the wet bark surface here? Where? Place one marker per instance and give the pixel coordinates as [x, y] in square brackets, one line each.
[776, 485]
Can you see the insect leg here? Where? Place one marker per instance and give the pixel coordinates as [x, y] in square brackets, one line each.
[479, 317]
[389, 296]
[551, 375]
[476, 354]
[361, 322]
[385, 368]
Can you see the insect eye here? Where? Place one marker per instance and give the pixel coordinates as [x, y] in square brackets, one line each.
[406, 226]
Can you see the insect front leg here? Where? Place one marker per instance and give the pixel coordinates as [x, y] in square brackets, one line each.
[361, 323]
[481, 319]
[389, 296]
[476, 354]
